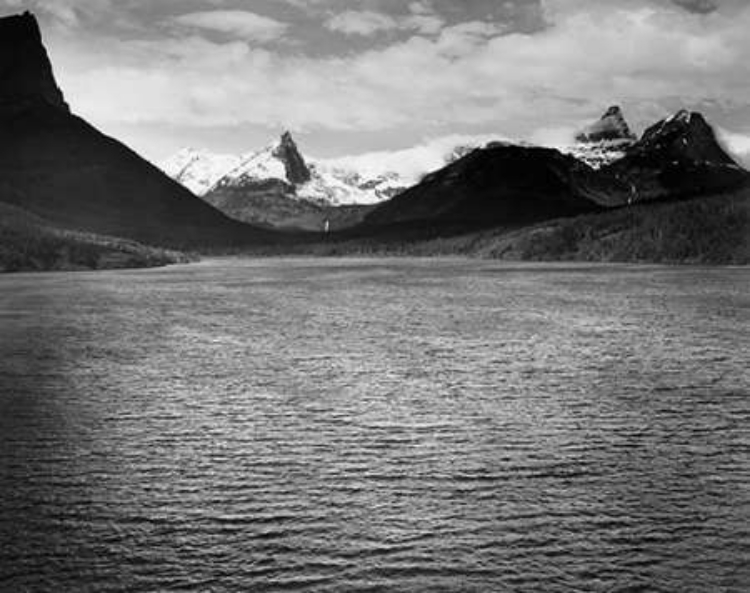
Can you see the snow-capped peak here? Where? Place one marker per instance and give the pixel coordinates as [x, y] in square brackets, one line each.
[610, 127]
[287, 152]
[604, 141]
[199, 170]
[683, 116]
[363, 179]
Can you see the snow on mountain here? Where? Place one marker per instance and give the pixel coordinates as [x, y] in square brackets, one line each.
[610, 127]
[199, 170]
[314, 181]
[331, 185]
[603, 142]
[264, 164]
[598, 154]
[363, 179]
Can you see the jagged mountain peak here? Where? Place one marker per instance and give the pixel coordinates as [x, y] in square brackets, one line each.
[686, 135]
[612, 126]
[604, 141]
[297, 171]
[26, 76]
[287, 139]
[681, 122]
[613, 111]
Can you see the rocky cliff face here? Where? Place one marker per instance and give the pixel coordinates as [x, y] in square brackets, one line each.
[512, 185]
[55, 165]
[604, 141]
[321, 182]
[25, 70]
[610, 127]
[297, 172]
[684, 136]
[677, 157]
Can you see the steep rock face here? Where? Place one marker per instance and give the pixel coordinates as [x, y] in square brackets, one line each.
[297, 172]
[277, 187]
[501, 185]
[57, 166]
[512, 185]
[326, 183]
[610, 127]
[25, 70]
[603, 142]
[684, 136]
[677, 157]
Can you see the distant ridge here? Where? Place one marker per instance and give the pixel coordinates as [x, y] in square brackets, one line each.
[512, 185]
[498, 185]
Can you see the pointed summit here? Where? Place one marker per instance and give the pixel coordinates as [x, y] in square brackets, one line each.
[678, 157]
[685, 136]
[297, 171]
[58, 167]
[26, 76]
[610, 127]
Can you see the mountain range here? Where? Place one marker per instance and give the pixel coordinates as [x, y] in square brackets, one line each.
[70, 189]
[513, 185]
[278, 187]
[606, 166]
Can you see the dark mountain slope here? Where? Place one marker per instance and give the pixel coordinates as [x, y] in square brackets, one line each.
[55, 164]
[501, 185]
[676, 158]
[58, 166]
[29, 243]
[706, 230]
[267, 204]
[510, 186]
[25, 70]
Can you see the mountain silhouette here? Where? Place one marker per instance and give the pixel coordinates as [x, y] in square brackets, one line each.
[675, 158]
[511, 185]
[499, 185]
[54, 164]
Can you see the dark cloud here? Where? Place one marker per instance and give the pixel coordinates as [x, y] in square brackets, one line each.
[699, 6]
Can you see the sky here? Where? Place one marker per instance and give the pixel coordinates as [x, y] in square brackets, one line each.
[355, 76]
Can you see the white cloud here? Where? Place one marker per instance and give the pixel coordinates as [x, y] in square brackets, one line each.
[554, 136]
[643, 53]
[737, 144]
[412, 163]
[363, 22]
[241, 23]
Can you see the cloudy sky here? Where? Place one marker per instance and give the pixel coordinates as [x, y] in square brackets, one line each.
[351, 76]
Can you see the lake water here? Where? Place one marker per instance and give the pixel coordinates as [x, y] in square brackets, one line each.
[375, 425]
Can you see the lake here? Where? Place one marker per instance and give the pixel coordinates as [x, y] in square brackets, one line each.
[375, 425]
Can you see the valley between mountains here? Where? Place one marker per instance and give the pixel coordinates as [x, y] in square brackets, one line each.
[74, 198]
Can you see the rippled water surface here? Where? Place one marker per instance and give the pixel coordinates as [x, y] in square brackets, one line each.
[381, 425]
